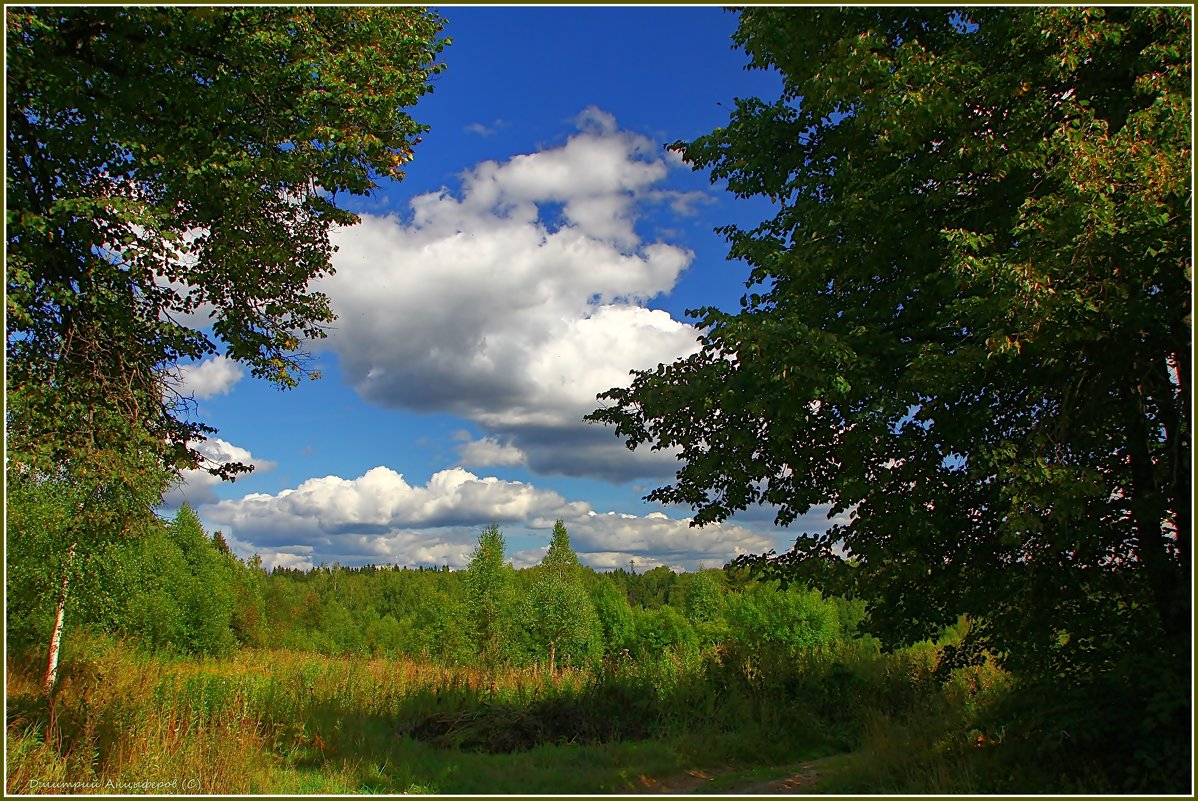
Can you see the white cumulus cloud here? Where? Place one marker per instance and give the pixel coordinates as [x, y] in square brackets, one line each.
[489, 452]
[380, 501]
[612, 539]
[516, 301]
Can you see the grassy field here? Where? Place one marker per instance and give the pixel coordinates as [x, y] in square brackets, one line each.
[126, 722]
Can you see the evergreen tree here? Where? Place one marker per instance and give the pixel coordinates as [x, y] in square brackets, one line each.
[489, 592]
[560, 560]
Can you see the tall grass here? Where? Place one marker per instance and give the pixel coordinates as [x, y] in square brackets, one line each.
[121, 720]
[286, 722]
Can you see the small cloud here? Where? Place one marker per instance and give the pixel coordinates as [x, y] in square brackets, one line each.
[197, 486]
[528, 557]
[288, 559]
[682, 203]
[211, 377]
[483, 130]
[595, 120]
[489, 452]
[611, 560]
[612, 539]
[676, 158]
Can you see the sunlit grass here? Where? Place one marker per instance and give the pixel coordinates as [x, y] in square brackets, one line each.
[300, 723]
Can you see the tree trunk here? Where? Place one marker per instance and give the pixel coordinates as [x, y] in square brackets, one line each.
[56, 634]
[1148, 509]
[1178, 447]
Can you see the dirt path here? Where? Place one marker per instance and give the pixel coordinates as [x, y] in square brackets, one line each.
[677, 784]
[800, 778]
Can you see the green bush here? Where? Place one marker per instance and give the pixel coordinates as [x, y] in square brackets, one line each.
[665, 629]
[615, 617]
[764, 618]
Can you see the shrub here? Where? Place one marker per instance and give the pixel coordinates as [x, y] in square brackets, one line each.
[665, 629]
[765, 618]
[615, 617]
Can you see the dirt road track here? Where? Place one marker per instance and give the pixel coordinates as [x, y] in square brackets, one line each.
[800, 778]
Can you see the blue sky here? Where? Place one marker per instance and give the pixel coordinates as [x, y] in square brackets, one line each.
[543, 243]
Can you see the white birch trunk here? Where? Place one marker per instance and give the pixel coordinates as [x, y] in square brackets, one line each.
[56, 635]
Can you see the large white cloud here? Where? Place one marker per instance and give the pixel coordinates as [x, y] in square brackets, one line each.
[377, 518]
[516, 302]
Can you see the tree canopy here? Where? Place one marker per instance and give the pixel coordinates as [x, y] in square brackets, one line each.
[968, 325]
[172, 177]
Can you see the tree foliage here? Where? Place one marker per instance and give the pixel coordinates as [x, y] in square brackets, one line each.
[706, 604]
[171, 180]
[615, 616]
[38, 535]
[166, 585]
[705, 596]
[559, 623]
[172, 177]
[968, 329]
[793, 620]
[665, 628]
[557, 615]
[968, 324]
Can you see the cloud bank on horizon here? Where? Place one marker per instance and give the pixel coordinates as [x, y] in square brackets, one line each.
[380, 518]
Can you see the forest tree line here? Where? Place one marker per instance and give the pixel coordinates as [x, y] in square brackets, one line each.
[178, 588]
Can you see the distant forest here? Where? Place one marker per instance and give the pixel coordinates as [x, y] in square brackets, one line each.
[180, 589]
